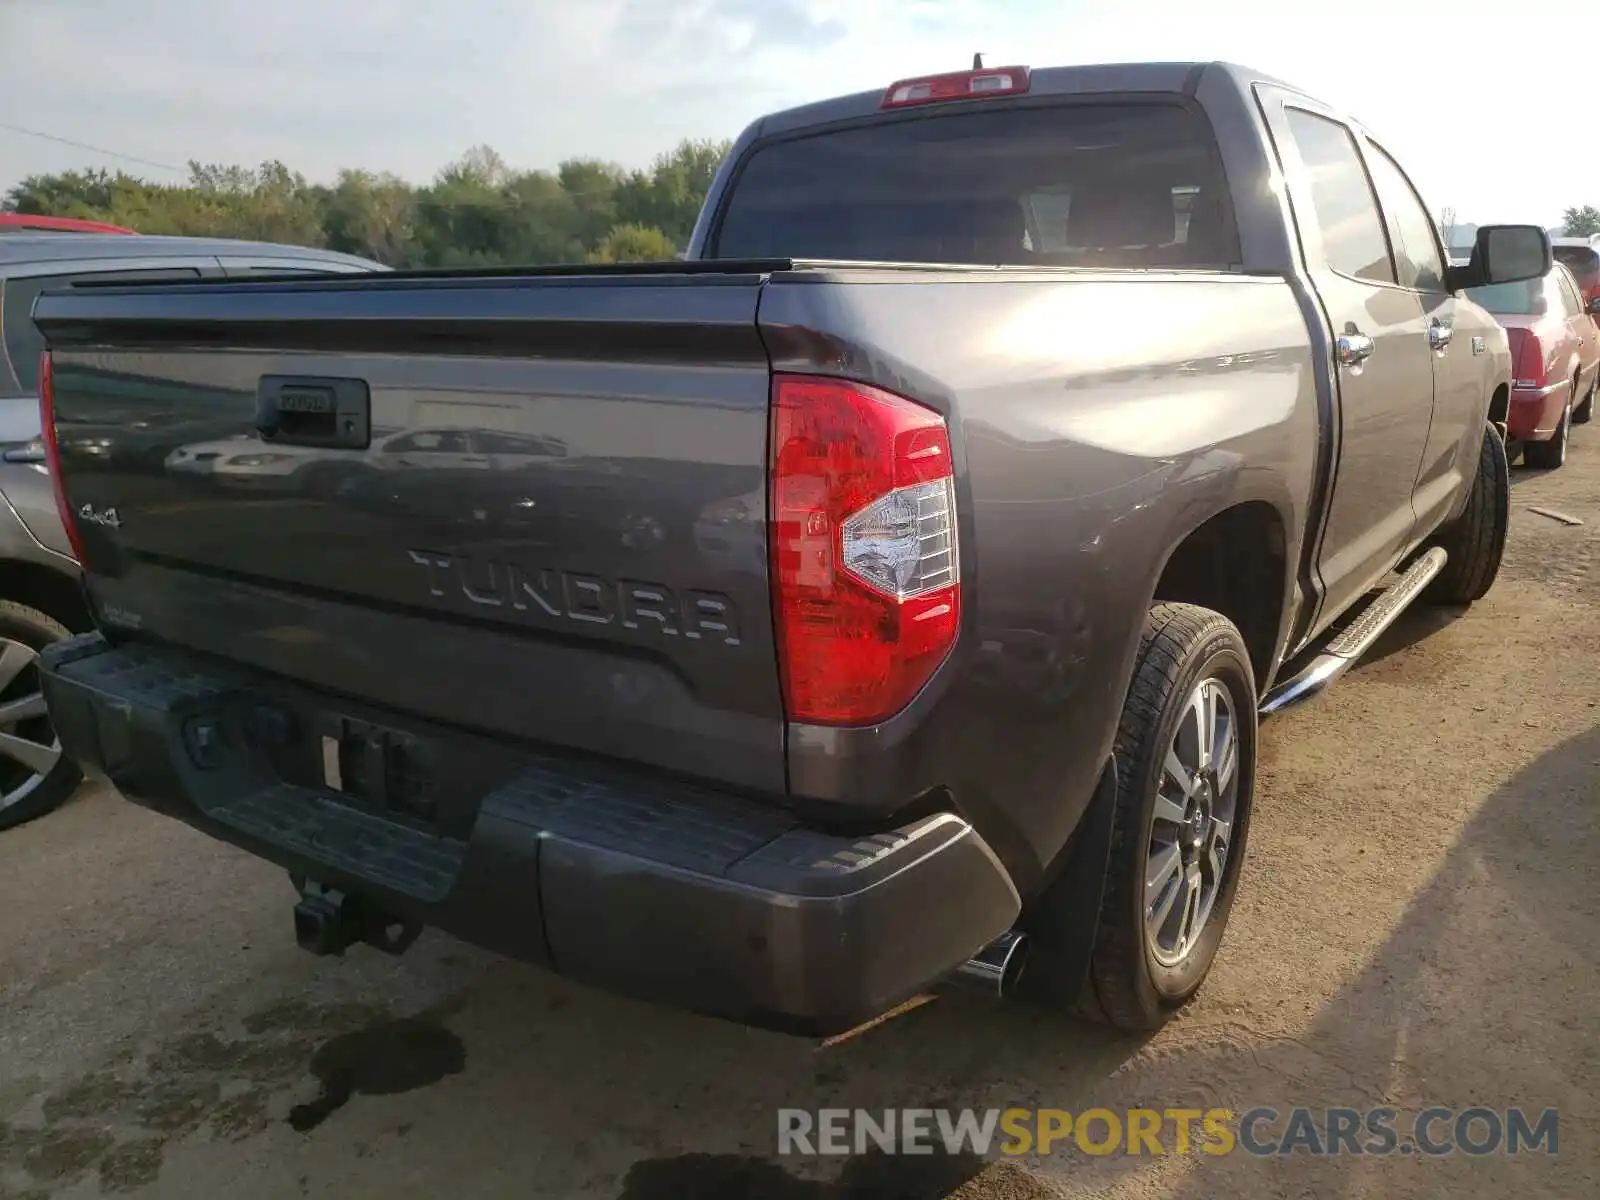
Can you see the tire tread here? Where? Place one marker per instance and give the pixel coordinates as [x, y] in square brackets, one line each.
[1476, 540]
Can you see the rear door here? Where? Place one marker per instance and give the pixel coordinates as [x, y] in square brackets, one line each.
[1384, 364]
[1580, 327]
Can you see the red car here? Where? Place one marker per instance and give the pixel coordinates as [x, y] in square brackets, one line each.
[1555, 352]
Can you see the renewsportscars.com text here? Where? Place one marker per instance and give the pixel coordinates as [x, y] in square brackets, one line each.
[1260, 1131]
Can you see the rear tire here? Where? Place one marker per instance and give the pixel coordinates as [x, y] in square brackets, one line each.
[1585, 411]
[1173, 802]
[35, 777]
[1547, 456]
[1476, 540]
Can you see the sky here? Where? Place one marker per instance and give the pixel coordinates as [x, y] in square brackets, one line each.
[1477, 100]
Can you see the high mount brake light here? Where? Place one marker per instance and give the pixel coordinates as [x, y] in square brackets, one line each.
[958, 85]
[865, 565]
[52, 451]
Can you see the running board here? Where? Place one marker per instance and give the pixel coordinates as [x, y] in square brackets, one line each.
[1344, 651]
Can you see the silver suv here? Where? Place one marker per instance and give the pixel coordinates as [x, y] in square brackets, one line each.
[40, 598]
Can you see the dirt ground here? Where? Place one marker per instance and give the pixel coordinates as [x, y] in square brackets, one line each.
[1418, 925]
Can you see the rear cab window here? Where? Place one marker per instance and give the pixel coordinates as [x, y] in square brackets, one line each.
[22, 341]
[1130, 184]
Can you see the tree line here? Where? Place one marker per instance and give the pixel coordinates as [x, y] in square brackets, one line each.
[477, 212]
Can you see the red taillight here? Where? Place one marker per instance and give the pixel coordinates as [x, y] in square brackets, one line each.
[958, 85]
[865, 572]
[1530, 361]
[52, 451]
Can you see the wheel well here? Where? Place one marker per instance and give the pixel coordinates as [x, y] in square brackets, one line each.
[53, 593]
[1235, 564]
[1500, 405]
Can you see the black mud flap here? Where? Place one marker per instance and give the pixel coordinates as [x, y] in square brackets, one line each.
[1061, 924]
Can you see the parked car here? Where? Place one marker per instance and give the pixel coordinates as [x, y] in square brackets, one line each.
[976, 686]
[1581, 256]
[1556, 348]
[40, 596]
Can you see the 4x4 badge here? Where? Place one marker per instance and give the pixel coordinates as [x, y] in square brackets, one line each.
[108, 518]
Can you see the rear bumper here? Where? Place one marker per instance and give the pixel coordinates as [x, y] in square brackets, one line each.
[1534, 413]
[645, 885]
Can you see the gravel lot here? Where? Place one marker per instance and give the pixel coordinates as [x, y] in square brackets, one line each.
[1417, 926]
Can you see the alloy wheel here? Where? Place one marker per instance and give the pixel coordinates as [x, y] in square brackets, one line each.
[29, 748]
[1192, 827]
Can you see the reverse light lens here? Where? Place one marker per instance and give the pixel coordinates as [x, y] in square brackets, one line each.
[865, 561]
[904, 544]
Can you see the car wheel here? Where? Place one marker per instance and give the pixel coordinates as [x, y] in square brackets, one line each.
[1186, 753]
[1547, 456]
[35, 776]
[1585, 411]
[1476, 540]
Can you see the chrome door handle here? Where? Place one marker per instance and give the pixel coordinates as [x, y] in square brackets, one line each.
[1353, 349]
[1440, 333]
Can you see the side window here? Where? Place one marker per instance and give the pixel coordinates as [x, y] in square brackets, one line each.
[1569, 295]
[1416, 249]
[1346, 213]
[491, 442]
[430, 441]
[23, 343]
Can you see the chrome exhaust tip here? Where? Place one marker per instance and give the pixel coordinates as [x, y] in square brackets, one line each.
[996, 968]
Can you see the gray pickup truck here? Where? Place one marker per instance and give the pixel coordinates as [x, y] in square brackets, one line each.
[883, 596]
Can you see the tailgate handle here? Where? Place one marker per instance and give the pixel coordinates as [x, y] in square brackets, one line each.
[302, 410]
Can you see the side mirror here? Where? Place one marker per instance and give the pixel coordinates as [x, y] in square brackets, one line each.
[1505, 254]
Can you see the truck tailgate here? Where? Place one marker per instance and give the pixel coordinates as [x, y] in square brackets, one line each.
[528, 506]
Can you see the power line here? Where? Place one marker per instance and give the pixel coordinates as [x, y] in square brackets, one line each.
[50, 137]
